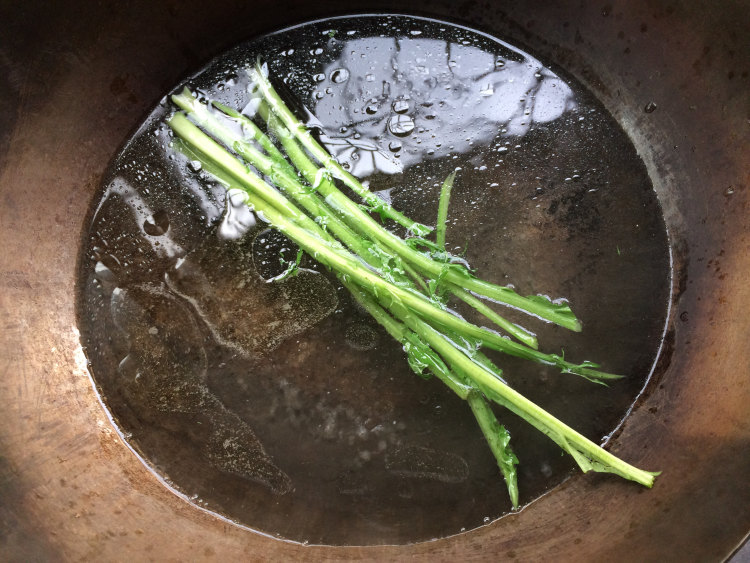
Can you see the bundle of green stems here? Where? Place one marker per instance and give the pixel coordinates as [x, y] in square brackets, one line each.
[292, 182]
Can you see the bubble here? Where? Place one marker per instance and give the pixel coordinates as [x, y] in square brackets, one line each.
[401, 125]
[157, 224]
[400, 106]
[339, 75]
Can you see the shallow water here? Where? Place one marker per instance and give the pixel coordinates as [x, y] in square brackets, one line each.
[283, 406]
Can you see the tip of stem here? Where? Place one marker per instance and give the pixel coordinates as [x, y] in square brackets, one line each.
[649, 481]
[531, 342]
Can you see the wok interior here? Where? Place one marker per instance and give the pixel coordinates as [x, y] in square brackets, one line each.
[80, 77]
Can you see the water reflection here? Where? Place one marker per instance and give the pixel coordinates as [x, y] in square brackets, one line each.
[387, 103]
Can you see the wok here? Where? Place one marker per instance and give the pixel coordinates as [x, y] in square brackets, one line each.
[77, 77]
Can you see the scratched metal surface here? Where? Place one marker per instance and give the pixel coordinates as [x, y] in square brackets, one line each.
[78, 76]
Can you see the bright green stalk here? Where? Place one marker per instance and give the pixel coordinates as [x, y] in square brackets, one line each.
[442, 215]
[339, 259]
[424, 307]
[250, 126]
[286, 218]
[366, 225]
[215, 152]
[324, 186]
[587, 454]
[329, 163]
[426, 356]
[284, 176]
[422, 356]
[442, 218]
[540, 307]
[519, 333]
[498, 438]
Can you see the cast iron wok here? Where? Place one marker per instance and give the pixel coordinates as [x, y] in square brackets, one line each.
[77, 77]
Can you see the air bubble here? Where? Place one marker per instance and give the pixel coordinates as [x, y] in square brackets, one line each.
[400, 106]
[339, 75]
[401, 125]
[157, 224]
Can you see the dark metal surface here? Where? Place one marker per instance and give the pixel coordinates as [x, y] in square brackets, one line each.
[77, 77]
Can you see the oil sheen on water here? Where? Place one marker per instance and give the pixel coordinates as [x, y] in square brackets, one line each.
[284, 407]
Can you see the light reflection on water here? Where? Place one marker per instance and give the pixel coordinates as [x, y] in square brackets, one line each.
[411, 94]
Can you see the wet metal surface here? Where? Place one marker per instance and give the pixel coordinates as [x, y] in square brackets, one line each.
[79, 77]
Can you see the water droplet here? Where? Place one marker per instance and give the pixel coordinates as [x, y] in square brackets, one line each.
[400, 106]
[394, 146]
[400, 125]
[339, 75]
[372, 108]
[195, 165]
[649, 107]
[157, 224]
[319, 77]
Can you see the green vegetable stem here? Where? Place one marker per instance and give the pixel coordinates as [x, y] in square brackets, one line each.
[403, 283]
